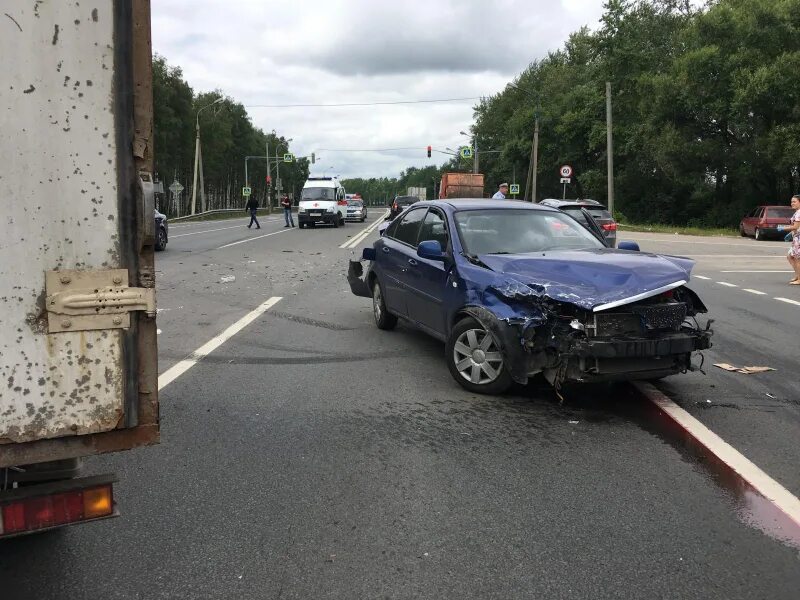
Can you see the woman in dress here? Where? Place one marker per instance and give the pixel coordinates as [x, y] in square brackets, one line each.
[794, 229]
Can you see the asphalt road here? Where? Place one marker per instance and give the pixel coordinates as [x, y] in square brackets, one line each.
[314, 456]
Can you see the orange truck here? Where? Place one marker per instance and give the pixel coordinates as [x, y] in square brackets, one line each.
[461, 185]
[78, 359]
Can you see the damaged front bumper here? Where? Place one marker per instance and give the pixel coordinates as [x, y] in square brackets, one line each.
[563, 352]
[357, 277]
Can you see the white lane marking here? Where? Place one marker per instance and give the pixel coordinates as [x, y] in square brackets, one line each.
[756, 271]
[741, 465]
[787, 300]
[701, 277]
[353, 242]
[252, 239]
[187, 363]
[756, 292]
[726, 284]
[206, 231]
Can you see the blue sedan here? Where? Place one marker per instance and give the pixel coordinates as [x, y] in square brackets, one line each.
[516, 289]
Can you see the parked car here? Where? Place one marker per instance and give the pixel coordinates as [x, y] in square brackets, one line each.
[162, 231]
[598, 211]
[517, 289]
[763, 221]
[399, 204]
[356, 211]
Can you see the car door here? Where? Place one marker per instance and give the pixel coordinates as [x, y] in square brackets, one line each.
[398, 247]
[751, 221]
[425, 279]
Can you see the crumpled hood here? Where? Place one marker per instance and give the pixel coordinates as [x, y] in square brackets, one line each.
[586, 278]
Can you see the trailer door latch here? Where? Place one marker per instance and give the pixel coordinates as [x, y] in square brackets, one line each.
[92, 300]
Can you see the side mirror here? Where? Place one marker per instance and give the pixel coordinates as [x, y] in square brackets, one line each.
[368, 254]
[431, 249]
[628, 246]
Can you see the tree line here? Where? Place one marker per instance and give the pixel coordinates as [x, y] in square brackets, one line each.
[706, 108]
[706, 111]
[227, 136]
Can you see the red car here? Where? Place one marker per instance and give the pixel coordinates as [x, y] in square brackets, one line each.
[762, 223]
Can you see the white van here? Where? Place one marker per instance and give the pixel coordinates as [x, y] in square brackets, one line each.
[322, 201]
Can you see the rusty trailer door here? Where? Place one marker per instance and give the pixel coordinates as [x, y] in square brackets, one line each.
[78, 371]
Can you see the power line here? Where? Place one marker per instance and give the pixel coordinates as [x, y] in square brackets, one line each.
[361, 103]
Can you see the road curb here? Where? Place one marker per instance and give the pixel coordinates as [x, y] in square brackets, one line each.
[768, 504]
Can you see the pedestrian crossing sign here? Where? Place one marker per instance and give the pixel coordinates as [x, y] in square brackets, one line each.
[246, 191]
[514, 189]
[288, 157]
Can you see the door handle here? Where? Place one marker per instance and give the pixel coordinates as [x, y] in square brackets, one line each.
[385, 250]
[412, 262]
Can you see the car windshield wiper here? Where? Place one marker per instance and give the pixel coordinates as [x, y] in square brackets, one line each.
[473, 258]
[493, 253]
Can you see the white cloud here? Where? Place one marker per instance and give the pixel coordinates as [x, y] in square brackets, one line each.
[336, 51]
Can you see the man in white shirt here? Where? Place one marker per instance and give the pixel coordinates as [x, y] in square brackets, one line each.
[501, 193]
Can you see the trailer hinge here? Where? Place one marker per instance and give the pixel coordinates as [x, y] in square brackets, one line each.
[91, 300]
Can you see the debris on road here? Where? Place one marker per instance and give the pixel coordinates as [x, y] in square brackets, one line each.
[743, 370]
[227, 279]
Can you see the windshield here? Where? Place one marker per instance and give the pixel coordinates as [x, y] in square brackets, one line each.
[780, 213]
[495, 231]
[354, 203]
[318, 193]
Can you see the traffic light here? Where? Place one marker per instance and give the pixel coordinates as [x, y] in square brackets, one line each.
[313, 158]
[269, 180]
[429, 151]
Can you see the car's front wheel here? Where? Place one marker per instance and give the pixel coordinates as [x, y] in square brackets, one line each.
[475, 359]
[383, 318]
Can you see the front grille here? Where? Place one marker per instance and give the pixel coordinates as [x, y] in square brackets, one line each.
[638, 319]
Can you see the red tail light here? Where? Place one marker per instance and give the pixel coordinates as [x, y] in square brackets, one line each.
[40, 512]
[342, 203]
[394, 206]
[610, 227]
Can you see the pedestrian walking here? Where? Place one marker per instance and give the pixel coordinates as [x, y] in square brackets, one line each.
[500, 194]
[252, 206]
[287, 210]
[794, 229]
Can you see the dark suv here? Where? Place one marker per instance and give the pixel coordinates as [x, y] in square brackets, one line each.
[399, 204]
[599, 212]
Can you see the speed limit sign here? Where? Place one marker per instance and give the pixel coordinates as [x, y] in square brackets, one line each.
[566, 171]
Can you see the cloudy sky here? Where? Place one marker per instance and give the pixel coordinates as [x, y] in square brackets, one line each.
[341, 51]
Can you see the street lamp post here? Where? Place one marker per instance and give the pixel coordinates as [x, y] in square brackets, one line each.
[198, 161]
[278, 167]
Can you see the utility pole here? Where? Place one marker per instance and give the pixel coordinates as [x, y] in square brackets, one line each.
[530, 182]
[475, 154]
[535, 158]
[610, 149]
[198, 160]
[269, 185]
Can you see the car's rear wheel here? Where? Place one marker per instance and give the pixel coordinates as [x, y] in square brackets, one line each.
[161, 239]
[335, 222]
[383, 318]
[741, 231]
[475, 359]
[759, 236]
